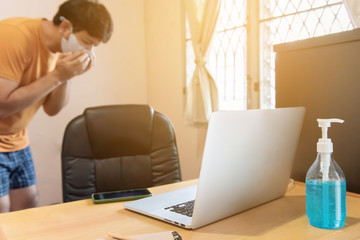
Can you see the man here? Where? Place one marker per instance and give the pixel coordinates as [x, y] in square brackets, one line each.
[37, 59]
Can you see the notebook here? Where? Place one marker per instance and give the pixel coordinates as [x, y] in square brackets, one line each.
[247, 161]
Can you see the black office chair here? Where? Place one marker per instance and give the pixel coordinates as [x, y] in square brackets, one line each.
[118, 147]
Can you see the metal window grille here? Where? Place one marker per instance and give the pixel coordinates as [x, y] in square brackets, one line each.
[290, 20]
[280, 21]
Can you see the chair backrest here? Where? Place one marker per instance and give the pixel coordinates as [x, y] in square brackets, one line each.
[118, 147]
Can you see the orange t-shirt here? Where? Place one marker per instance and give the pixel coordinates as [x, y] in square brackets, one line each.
[24, 58]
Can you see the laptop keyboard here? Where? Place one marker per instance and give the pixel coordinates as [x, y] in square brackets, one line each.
[185, 208]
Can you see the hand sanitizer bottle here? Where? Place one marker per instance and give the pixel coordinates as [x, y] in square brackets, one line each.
[325, 185]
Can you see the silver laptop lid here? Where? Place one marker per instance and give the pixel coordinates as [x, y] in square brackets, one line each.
[247, 161]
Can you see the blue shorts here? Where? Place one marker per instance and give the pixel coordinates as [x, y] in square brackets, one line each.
[16, 170]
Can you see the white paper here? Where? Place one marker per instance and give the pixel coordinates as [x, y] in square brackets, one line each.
[150, 236]
[155, 236]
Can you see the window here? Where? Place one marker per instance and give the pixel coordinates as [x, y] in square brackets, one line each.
[276, 21]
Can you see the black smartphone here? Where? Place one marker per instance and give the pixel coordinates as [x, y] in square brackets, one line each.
[122, 195]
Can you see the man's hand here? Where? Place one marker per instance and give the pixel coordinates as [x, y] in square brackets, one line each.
[71, 64]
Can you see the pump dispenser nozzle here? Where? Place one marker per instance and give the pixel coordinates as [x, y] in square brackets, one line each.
[325, 146]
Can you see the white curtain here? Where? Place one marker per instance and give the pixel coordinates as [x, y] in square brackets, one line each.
[201, 93]
[353, 8]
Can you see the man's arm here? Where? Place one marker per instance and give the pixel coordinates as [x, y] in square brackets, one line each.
[59, 97]
[14, 98]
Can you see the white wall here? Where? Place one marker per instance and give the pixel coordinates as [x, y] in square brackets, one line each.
[119, 76]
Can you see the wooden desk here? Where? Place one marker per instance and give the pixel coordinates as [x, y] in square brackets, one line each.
[284, 218]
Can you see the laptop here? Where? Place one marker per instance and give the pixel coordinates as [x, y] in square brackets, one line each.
[247, 161]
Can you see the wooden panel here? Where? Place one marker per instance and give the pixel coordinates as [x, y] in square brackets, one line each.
[323, 74]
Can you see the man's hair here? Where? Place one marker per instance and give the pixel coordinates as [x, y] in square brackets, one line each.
[88, 15]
